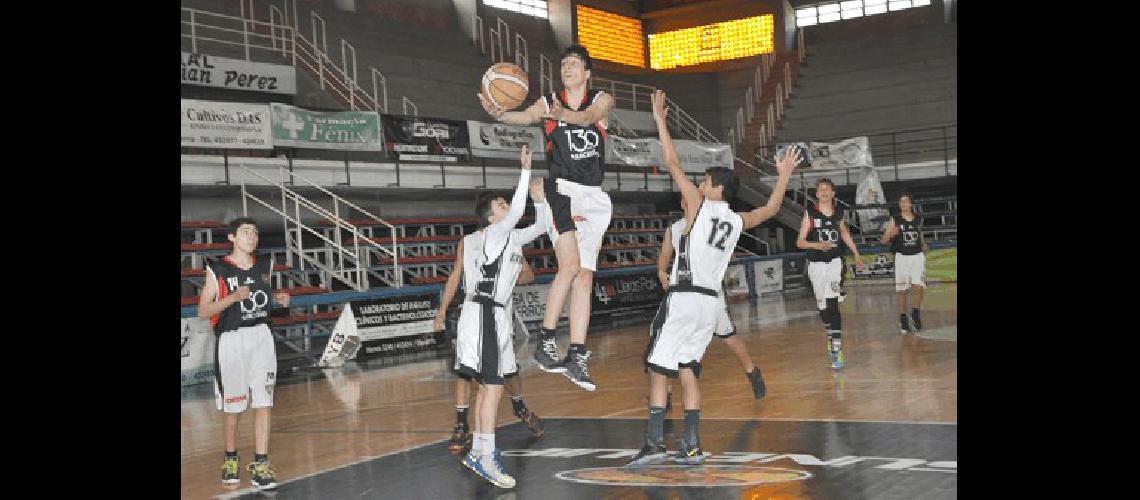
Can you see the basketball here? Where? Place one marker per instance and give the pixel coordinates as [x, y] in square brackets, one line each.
[505, 84]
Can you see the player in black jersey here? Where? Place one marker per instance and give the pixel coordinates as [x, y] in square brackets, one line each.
[574, 123]
[822, 227]
[904, 233]
[236, 299]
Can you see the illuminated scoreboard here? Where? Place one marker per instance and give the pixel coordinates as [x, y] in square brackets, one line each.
[611, 37]
[712, 42]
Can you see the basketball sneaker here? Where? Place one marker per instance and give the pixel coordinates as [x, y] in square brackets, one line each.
[546, 355]
[460, 439]
[651, 453]
[837, 361]
[263, 476]
[689, 454]
[904, 324]
[575, 365]
[491, 469]
[230, 471]
[758, 388]
[532, 422]
[916, 316]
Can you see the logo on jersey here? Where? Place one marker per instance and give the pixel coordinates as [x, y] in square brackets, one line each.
[235, 399]
[256, 301]
[910, 238]
[827, 235]
[583, 143]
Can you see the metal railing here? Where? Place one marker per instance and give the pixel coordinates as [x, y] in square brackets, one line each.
[347, 266]
[636, 97]
[202, 28]
[408, 102]
[545, 75]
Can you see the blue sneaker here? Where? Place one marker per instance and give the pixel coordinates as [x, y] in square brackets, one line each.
[472, 462]
[837, 361]
[492, 467]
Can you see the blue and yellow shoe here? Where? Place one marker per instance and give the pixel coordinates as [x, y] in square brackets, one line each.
[230, 471]
[689, 454]
[837, 361]
[262, 475]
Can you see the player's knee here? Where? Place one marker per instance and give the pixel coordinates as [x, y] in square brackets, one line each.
[569, 270]
[584, 277]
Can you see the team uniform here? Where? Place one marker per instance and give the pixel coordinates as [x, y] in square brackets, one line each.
[573, 188]
[693, 308]
[492, 260]
[910, 262]
[245, 360]
[825, 269]
[724, 326]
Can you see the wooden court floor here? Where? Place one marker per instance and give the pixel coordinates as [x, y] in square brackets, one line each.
[333, 418]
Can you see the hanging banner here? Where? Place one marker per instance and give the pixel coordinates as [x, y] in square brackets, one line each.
[870, 192]
[769, 275]
[340, 130]
[197, 351]
[627, 293]
[848, 153]
[498, 140]
[412, 138]
[694, 156]
[225, 125]
[396, 324]
[226, 73]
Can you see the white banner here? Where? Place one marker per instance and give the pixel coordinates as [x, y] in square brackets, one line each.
[694, 156]
[870, 192]
[769, 275]
[848, 153]
[197, 351]
[498, 140]
[227, 125]
[226, 73]
[344, 333]
[735, 280]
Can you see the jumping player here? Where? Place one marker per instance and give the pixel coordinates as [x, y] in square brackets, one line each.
[492, 259]
[687, 318]
[574, 121]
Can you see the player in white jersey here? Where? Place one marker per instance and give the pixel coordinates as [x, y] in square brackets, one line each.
[492, 259]
[724, 327]
[686, 321]
[461, 435]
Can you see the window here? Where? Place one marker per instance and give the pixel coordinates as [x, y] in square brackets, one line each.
[536, 8]
[850, 9]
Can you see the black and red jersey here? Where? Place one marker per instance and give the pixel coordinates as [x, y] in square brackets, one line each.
[228, 277]
[575, 153]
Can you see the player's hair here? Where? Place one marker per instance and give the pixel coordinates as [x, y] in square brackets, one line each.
[483, 207]
[580, 51]
[239, 222]
[824, 180]
[906, 194]
[722, 176]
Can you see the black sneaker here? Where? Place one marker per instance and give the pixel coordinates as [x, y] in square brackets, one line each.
[533, 423]
[651, 453]
[546, 355]
[262, 475]
[904, 324]
[916, 316]
[688, 454]
[230, 471]
[758, 388]
[460, 439]
[575, 366]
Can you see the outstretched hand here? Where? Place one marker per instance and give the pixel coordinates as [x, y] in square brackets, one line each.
[660, 112]
[792, 159]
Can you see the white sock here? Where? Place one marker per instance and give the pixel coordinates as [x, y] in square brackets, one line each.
[488, 444]
[476, 443]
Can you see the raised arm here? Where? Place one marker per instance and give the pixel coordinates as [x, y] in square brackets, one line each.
[664, 256]
[597, 111]
[784, 166]
[528, 116]
[541, 215]
[518, 201]
[449, 289]
[690, 195]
